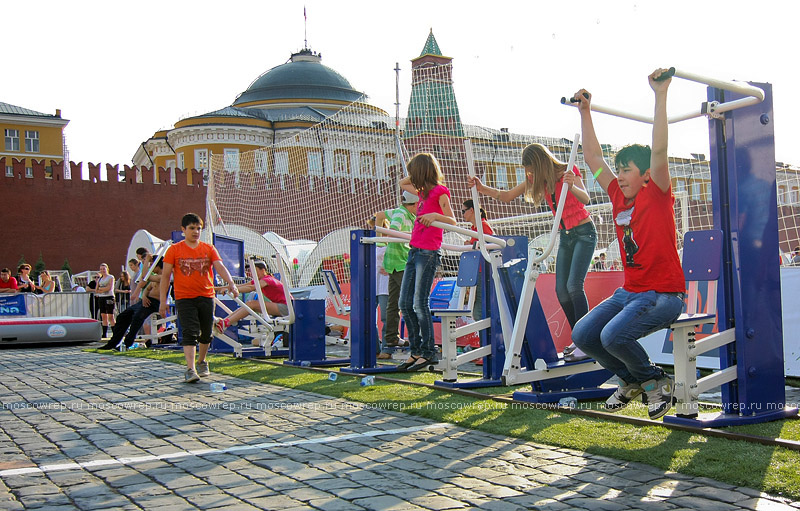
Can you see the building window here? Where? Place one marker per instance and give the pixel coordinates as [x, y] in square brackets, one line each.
[341, 163]
[181, 161]
[366, 165]
[232, 160]
[519, 173]
[170, 164]
[282, 162]
[28, 171]
[697, 191]
[782, 195]
[260, 161]
[12, 140]
[201, 159]
[9, 171]
[502, 178]
[795, 196]
[315, 163]
[31, 141]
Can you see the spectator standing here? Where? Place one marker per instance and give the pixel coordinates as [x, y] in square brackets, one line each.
[48, 285]
[8, 284]
[104, 295]
[24, 282]
[122, 291]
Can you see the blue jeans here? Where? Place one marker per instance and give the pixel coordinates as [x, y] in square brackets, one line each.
[610, 332]
[415, 292]
[575, 251]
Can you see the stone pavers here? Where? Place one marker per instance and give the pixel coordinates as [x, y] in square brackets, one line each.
[88, 431]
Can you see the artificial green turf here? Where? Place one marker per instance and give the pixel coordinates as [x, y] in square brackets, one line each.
[775, 470]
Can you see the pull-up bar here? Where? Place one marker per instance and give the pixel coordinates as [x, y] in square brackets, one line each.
[713, 108]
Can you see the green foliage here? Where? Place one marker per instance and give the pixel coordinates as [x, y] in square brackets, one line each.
[38, 268]
[66, 266]
[19, 263]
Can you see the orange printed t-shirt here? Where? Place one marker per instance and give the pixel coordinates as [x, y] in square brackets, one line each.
[192, 272]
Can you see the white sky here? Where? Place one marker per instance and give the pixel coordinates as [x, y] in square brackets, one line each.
[121, 71]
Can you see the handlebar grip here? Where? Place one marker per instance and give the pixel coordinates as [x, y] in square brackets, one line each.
[668, 74]
[573, 100]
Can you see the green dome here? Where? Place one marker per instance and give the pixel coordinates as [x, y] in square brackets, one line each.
[303, 77]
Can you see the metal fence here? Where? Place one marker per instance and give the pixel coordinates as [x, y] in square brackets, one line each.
[58, 304]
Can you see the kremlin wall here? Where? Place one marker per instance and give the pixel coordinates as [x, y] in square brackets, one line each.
[90, 221]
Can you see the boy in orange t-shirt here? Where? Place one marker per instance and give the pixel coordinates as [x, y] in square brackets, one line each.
[194, 292]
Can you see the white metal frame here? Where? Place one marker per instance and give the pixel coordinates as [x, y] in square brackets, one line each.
[713, 109]
[262, 326]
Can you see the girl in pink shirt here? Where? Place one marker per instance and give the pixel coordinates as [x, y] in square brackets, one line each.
[426, 180]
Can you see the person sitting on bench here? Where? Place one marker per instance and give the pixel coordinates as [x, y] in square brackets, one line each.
[274, 298]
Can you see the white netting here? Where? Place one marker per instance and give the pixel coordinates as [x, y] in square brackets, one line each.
[318, 184]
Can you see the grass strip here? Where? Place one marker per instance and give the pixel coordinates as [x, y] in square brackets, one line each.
[774, 470]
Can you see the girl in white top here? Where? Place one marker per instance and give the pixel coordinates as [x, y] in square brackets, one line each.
[104, 294]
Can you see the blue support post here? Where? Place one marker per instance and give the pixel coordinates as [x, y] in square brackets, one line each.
[363, 302]
[743, 183]
[307, 335]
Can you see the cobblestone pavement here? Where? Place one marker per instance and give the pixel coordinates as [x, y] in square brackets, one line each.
[88, 431]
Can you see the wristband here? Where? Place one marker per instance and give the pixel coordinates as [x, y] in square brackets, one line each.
[599, 171]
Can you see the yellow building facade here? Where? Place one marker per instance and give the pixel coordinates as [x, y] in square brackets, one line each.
[279, 104]
[30, 135]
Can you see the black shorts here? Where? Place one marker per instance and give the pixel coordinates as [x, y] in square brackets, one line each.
[196, 317]
[105, 304]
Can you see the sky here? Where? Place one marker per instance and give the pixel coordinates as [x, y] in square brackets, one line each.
[120, 71]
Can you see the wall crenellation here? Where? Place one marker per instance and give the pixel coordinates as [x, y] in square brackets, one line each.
[129, 175]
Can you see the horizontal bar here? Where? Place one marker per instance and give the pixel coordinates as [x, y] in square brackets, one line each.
[468, 232]
[713, 380]
[756, 95]
[712, 341]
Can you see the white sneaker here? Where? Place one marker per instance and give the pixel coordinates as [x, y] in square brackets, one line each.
[659, 396]
[624, 394]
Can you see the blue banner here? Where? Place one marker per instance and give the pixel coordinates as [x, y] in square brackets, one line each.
[12, 305]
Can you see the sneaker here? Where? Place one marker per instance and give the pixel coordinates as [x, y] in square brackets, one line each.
[202, 369]
[624, 394]
[659, 395]
[221, 324]
[191, 376]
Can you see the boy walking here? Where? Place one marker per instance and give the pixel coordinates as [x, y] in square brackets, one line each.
[653, 293]
[194, 292]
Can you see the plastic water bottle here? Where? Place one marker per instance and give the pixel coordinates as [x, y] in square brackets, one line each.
[123, 347]
[332, 376]
[569, 402]
[366, 381]
[305, 363]
[218, 387]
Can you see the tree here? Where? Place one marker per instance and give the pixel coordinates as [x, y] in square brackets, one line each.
[21, 260]
[38, 268]
[66, 266]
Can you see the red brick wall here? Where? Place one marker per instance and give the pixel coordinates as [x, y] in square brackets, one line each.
[88, 222]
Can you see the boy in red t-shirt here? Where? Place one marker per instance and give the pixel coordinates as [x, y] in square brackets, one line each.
[194, 292]
[652, 295]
